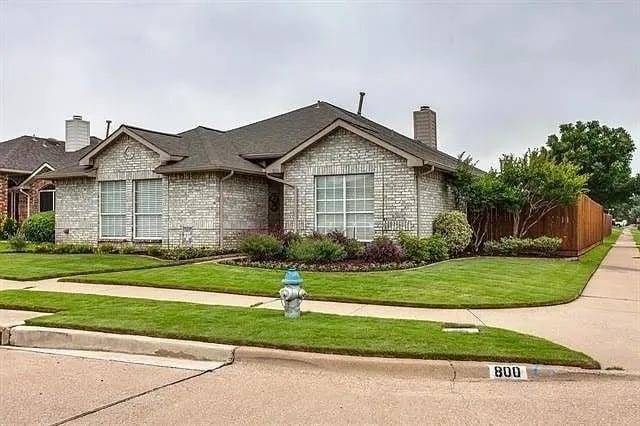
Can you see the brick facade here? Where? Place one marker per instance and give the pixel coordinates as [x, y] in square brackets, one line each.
[191, 201]
[405, 199]
[4, 196]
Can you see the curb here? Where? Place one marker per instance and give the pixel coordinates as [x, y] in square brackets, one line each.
[60, 338]
[406, 368]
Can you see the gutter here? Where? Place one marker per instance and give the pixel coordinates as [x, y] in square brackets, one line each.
[220, 210]
[28, 202]
[295, 197]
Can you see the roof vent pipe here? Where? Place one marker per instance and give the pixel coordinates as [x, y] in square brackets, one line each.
[360, 103]
[108, 126]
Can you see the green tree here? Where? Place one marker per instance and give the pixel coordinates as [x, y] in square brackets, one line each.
[527, 187]
[602, 152]
[535, 184]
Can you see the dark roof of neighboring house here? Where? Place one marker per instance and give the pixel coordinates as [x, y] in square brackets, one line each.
[205, 149]
[25, 154]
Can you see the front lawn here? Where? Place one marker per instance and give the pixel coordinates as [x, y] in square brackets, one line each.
[32, 266]
[636, 235]
[267, 328]
[468, 283]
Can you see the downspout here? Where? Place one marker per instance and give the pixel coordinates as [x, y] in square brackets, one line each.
[220, 210]
[168, 209]
[28, 202]
[295, 198]
[427, 173]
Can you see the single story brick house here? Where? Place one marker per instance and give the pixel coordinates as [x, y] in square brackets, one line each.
[317, 168]
[22, 161]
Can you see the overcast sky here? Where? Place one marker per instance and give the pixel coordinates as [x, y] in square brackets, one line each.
[501, 76]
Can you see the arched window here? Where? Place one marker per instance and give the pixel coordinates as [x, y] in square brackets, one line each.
[48, 198]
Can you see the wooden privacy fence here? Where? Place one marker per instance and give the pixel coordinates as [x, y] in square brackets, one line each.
[581, 226]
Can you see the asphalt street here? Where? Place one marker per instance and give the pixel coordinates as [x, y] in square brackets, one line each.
[38, 388]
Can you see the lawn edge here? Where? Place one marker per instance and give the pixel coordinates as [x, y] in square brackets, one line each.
[587, 365]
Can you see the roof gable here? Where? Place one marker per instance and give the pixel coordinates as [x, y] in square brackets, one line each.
[276, 166]
[155, 141]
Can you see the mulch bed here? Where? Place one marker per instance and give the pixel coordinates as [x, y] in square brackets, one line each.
[355, 265]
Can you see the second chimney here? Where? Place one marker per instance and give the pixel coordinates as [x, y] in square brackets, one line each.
[424, 127]
[76, 134]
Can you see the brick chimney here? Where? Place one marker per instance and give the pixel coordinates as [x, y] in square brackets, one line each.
[424, 127]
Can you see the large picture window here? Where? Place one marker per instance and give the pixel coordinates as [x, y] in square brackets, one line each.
[148, 208]
[113, 209]
[345, 203]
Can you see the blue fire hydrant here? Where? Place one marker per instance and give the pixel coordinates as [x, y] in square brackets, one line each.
[292, 295]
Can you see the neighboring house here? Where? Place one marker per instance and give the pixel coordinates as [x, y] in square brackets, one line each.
[317, 168]
[22, 161]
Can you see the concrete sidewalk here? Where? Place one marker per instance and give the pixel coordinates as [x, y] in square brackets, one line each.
[604, 322]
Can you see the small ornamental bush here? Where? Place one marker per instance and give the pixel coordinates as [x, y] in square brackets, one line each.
[261, 247]
[107, 248]
[155, 251]
[18, 242]
[353, 248]
[40, 227]
[44, 248]
[423, 250]
[437, 248]
[8, 227]
[315, 250]
[546, 246]
[384, 249]
[69, 248]
[455, 229]
[127, 249]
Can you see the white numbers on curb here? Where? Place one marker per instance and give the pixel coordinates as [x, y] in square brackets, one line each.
[508, 372]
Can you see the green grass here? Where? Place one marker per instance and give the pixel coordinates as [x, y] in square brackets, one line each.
[4, 246]
[33, 266]
[636, 235]
[468, 283]
[267, 328]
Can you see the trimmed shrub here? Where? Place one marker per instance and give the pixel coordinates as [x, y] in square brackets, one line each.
[429, 249]
[40, 227]
[261, 247]
[315, 250]
[18, 242]
[155, 251]
[8, 227]
[512, 246]
[437, 248]
[353, 248]
[107, 248]
[127, 249]
[455, 229]
[384, 249]
[69, 248]
[44, 248]
[546, 246]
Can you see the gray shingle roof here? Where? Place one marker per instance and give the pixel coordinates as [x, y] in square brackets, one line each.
[207, 149]
[27, 153]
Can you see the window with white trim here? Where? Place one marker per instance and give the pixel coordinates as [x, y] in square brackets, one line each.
[113, 198]
[148, 208]
[345, 203]
[47, 198]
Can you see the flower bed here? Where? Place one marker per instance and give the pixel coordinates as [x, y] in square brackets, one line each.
[354, 265]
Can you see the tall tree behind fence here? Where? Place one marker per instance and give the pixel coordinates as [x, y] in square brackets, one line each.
[581, 226]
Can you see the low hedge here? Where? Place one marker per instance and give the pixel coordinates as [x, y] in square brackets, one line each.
[512, 246]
